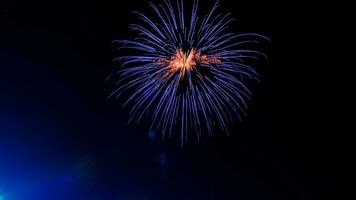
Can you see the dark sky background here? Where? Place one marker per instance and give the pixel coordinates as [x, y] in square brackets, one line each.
[62, 138]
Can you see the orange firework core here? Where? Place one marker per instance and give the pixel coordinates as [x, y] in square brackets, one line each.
[186, 61]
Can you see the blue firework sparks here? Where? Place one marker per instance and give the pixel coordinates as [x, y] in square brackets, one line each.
[188, 73]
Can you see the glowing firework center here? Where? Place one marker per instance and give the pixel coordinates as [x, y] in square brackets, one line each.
[183, 62]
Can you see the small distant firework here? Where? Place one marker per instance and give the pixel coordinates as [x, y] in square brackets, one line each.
[187, 72]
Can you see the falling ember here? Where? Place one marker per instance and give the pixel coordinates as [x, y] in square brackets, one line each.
[186, 61]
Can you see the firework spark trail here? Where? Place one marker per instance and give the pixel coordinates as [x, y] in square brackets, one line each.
[187, 73]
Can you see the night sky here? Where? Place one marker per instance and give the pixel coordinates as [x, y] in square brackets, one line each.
[61, 137]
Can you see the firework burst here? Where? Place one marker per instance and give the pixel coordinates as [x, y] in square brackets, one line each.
[186, 72]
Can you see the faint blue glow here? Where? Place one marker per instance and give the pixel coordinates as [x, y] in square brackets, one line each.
[152, 135]
[162, 159]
